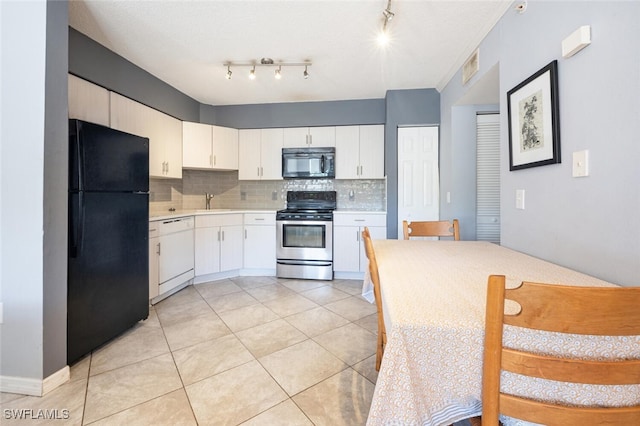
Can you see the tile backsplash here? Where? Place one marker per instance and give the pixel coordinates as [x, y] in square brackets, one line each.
[230, 193]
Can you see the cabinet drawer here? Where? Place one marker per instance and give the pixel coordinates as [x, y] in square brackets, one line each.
[259, 218]
[207, 221]
[170, 226]
[364, 219]
[154, 229]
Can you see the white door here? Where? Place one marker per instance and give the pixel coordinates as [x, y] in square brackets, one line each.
[418, 175]
[488, 178]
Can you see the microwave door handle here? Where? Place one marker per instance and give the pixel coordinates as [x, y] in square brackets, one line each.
[322, 164]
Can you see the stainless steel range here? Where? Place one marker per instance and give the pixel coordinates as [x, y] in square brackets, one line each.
[305, 235]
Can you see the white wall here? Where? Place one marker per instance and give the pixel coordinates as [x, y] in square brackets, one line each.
[23, 27]
[589, 224]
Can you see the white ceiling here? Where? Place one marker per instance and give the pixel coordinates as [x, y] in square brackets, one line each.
[185, 44]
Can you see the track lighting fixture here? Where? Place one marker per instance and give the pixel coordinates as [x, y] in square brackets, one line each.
[267, 62]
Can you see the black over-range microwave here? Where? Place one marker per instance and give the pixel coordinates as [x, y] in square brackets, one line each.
[308, 163]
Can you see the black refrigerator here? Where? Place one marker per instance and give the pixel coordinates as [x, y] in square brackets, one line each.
[108, 262]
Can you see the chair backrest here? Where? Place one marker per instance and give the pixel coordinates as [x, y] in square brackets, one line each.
[439, 228]
[598, 311]
[375, 278]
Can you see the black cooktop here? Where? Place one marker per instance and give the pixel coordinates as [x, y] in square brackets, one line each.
[309, 205]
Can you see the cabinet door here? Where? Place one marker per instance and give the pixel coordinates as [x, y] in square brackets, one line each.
[322, 136]
[296, 137]
[170, 138]
[271, 154]
[128, 116]
[371, 152]
[88, 101]
[154, 277]
[346, 248]
[196, 146]
[225, 148]
[207, 250]
[249, 154]
[347, 152]
[230, 247]
[260, 246]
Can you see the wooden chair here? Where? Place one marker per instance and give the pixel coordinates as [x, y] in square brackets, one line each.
[440, 228]
[601, 311]
[375, 278]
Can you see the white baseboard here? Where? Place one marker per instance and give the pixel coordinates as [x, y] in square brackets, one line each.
[58, 378]
[21, 385]
[34, 387]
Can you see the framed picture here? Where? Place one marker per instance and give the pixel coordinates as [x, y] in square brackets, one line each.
[534, 126]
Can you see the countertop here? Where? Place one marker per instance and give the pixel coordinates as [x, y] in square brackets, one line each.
[199, 212]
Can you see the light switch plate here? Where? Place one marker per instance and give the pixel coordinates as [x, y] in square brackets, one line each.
[581, 163]
[520, 199]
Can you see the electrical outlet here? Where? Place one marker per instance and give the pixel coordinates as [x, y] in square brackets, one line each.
[274, 195]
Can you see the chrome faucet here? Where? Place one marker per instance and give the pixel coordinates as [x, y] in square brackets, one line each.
[207, 199]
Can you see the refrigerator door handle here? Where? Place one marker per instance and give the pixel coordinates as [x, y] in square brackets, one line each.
[77, 237]
[80, 158]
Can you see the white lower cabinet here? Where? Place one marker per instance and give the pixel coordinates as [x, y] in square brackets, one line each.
[170, 254]
[349, 258]
[154, 259]
[218, 243]
[260, 242]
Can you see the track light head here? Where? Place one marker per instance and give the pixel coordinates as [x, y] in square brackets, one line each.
[279, 73]
[252, 73]
[229, 72]
[305, 74]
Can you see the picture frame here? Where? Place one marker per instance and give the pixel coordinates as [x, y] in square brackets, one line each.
[534, 120]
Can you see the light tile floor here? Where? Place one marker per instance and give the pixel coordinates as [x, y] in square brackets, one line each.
[247, 350]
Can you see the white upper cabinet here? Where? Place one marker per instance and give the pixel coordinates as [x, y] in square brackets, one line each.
[209, 147]
[307, 137]
[260, 154]
[360, 152]
[225, 148]
[88, 101]
[164, 133]
[196, 146]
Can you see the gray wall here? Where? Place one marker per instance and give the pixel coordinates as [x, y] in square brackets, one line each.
[589, 224]
[94, 62]
[295, 114]
[34, 213]
[55, 190]
[420, 107]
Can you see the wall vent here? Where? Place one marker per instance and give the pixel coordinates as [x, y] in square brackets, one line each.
[470, 67]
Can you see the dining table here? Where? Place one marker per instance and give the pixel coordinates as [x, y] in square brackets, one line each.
[433, 302]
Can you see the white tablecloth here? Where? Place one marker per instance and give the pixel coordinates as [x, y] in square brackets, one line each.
[434, 298]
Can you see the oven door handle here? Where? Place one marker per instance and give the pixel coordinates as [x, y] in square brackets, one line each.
[322, 164]
[304, 262]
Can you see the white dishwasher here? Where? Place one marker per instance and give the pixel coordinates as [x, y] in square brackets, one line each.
[175, 252]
